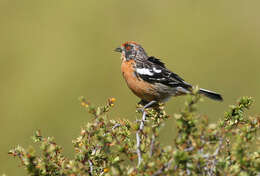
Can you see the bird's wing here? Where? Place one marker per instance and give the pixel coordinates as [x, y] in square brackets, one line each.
[153, 70]
[156, 61]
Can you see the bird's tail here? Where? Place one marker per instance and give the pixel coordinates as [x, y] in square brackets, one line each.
[210, 94]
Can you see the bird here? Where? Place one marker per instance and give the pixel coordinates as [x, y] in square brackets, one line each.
[150, 80]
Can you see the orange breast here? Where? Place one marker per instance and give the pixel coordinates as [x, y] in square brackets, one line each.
[140, 88]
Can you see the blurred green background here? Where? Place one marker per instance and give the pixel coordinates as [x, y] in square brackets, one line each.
[52, 52]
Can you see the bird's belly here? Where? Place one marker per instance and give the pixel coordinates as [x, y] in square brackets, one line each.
[140, 88]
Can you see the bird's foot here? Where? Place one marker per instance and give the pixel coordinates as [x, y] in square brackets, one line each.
[146, 105]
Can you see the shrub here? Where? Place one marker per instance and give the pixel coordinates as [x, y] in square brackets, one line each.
[121, 147]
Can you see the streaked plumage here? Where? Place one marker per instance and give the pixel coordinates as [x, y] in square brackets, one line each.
[148, 77]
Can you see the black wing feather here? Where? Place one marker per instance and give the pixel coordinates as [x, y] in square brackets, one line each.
[156, 61]
[162, 75]
[154, 71]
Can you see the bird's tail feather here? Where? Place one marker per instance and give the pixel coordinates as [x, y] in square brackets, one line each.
[210, 94]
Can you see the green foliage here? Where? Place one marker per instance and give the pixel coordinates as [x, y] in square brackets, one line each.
[121, 147]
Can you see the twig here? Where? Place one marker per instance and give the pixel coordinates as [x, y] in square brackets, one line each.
[188, 171]
[165, 166]
[138, 149]
[211, 163]
[152, 145]
[189, 149]
[116, 125]
[91, 167]
[218, 148]
[141, 127]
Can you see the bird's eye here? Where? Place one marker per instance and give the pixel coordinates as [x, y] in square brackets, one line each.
[128, 47]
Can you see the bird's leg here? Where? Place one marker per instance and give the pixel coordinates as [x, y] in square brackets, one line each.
[148, 105]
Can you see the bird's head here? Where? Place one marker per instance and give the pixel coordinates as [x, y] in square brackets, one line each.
[131, 50]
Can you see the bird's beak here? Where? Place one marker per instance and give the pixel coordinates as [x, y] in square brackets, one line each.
[118, 50]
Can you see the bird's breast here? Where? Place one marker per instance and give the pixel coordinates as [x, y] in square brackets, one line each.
[139, 87]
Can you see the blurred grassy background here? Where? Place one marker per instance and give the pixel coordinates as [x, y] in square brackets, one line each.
[52, 52]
